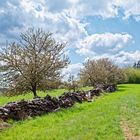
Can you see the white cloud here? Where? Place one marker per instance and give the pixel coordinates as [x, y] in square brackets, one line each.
[122, 58]
[82, 8]
[72, 69]
[105, 9]
[102, 8]
[74, 1]
[107, 43]
[67, 28]
[126, 58]
[38, 9]
[64, 17]
[109, 8]
[130, 7]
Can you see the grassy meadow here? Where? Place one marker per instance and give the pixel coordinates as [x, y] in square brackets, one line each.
[97, 120]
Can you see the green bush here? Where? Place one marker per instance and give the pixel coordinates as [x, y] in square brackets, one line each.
[133, 75]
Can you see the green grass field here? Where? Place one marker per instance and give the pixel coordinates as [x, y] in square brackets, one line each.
[97, 120]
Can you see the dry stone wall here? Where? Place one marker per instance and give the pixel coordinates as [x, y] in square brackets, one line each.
[23, 109]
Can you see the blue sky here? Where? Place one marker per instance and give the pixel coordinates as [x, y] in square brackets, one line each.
[92, 28]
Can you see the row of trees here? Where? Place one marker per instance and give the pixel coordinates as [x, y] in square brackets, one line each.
[36, 60]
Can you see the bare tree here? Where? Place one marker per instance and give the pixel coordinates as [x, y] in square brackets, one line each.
[33, 60]
[101, 71]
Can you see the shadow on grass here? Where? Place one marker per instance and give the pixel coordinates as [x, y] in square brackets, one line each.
[122, 88]
[125, 87]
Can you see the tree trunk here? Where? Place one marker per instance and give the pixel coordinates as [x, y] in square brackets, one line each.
[34, 90]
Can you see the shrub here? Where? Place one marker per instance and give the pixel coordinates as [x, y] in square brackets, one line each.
[133, 75]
